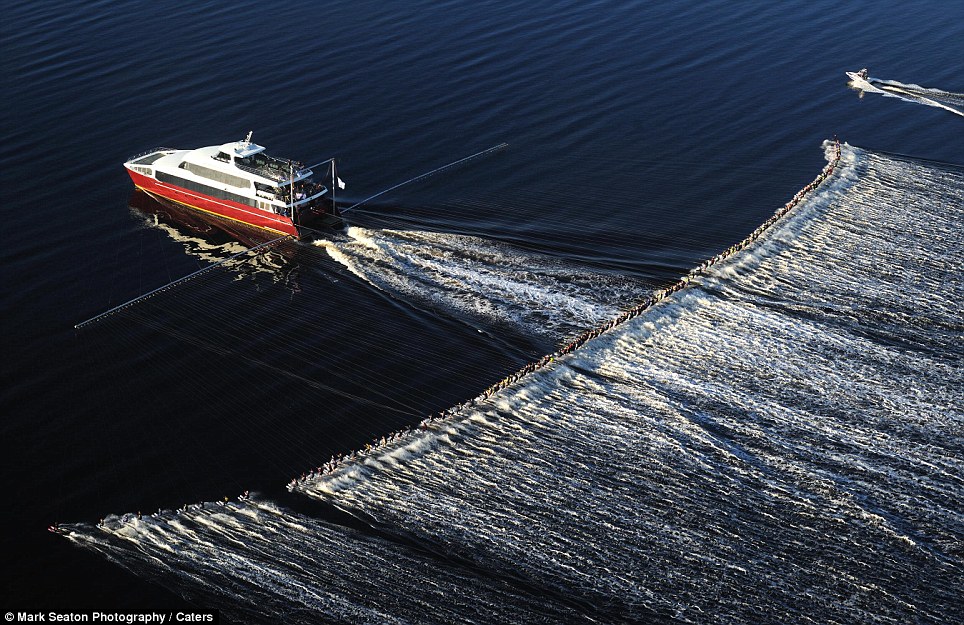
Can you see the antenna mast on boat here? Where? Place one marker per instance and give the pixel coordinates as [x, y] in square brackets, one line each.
[291, 181]
[334, 209]
[336, 182]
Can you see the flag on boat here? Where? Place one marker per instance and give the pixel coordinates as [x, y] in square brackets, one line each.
[341, 183]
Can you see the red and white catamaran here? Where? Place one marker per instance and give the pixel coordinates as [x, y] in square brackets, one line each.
[237, 181]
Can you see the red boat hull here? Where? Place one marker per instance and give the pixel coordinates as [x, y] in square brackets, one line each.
[223, 208]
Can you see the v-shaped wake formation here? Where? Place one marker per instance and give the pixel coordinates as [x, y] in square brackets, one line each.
[493, 283]
[780, 437]
[952, 102]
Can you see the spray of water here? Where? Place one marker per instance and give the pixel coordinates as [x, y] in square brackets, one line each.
[952, 102]
[780, 440]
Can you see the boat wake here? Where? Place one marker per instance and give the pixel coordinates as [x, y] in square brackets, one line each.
[271, 565]
[485, 280]
[785, 434]
[953, 102]
[780, 440]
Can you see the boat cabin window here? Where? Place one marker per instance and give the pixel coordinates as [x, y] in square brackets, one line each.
[267, 188]
[213, 174]
[223, 157]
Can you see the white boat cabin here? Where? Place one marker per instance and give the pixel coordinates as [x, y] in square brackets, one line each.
[240, 171]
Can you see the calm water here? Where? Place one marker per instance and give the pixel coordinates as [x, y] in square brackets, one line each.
[766, 444]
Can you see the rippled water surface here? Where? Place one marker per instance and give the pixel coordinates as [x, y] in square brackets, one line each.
[780, 441]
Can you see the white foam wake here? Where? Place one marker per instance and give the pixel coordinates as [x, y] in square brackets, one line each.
[953, 102]
[485, 280]
[263, 564]
[779, 440]
[782, 437]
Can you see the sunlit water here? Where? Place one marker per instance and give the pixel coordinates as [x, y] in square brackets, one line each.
[779, 440]
[642, 139]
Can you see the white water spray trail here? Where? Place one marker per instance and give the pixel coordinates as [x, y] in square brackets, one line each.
[953, 102]
[779, 440]
[782, 437]
[489, 281]
[263, 564]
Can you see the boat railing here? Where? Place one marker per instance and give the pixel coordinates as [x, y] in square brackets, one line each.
[149, 152]
[280, 173]
[319, 191]
[261, 171]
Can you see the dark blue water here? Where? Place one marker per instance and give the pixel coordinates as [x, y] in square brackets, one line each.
[642, 139]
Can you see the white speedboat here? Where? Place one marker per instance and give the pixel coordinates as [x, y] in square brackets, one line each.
[861, 80]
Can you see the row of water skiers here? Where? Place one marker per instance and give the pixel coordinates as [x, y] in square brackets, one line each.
[336, 461]
[102, 523]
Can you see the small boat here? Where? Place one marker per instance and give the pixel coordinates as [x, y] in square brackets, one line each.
[237, 181]
[860, 80]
